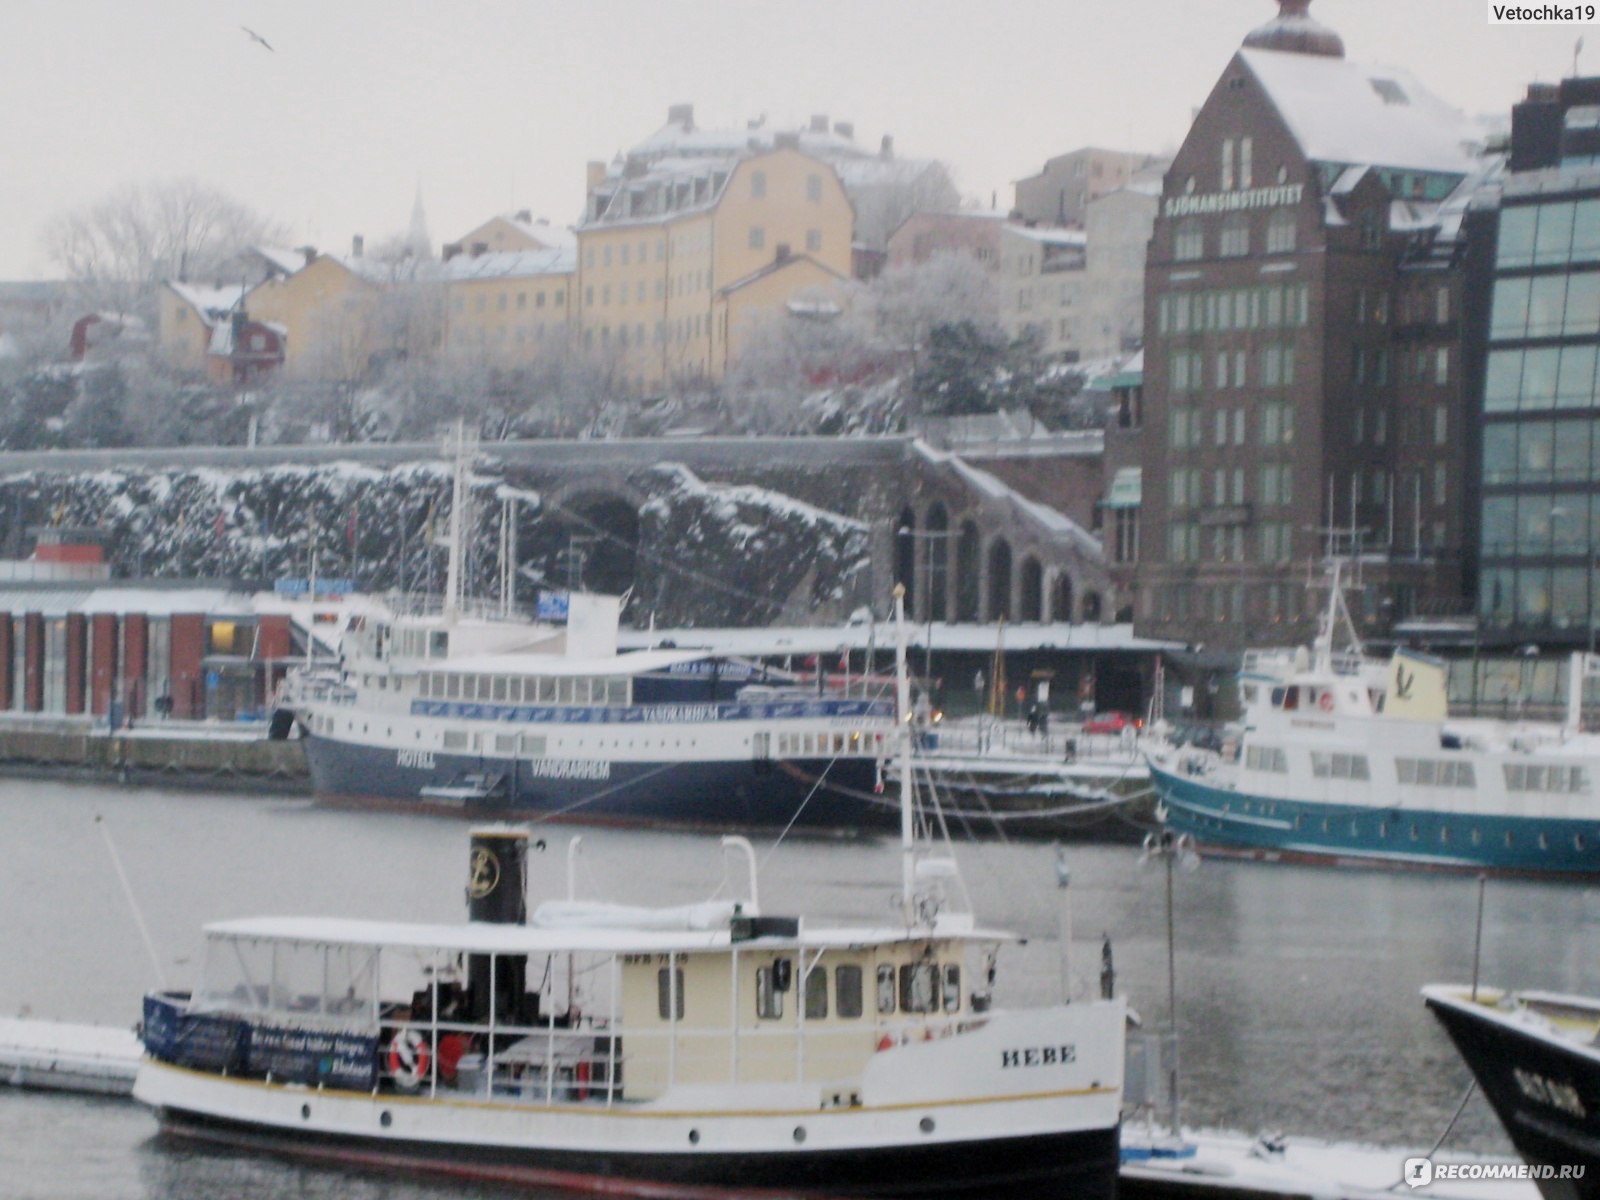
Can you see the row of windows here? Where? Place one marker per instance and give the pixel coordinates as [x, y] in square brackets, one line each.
[1429, 772]
[624, 251]
[1546, 306]
[1339, 765]
[1274, 366]
[1222, 604]
[521, 334]
[1540, 523]
[679, 330]
[1185, 542]
[1533, 380]
[1234, 236]
[1539, 777]
[503, 301]
[923, 987]
[1226, 310]
[1266, 758]
[1561, 231]
[1370, 364]
[1556, 597]
[800, 745]
[1186, 426]
[1414, 425]
[758, 239]
[1541, 452]
[517, 689]
[1186, 486]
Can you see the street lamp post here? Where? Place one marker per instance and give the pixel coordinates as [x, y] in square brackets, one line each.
[929, 536]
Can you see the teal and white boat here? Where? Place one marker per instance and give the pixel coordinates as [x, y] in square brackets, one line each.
[1343, 758]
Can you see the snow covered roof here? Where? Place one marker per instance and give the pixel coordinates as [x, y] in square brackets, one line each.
[125, 598]
[512, 264]
[209, 302]
[1050, 236]
[1341, 111]
[554, 237]
[281, 258]
[482, 937]
[638, 662]
[963, 636]
[776, 265]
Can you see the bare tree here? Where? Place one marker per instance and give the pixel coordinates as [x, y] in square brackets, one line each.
[120, 248]
[905, 304]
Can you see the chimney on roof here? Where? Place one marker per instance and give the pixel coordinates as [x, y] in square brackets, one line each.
[525, 215]
[594, 175]
[819, 123]
[886, 148]
[681, 115]
[786, 141]
[357, 245]
[309, 253]
[845, 129]
[782, 254]
[451, 249]
[634, 167]
[479, 249]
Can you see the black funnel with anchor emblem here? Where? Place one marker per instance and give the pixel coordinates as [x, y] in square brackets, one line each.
[497, 883]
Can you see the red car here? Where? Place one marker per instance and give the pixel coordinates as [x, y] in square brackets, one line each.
[1111, 722]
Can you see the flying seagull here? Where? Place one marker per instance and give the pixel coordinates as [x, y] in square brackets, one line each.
[256, 37]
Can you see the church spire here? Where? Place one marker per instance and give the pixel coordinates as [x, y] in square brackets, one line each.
[417, 236]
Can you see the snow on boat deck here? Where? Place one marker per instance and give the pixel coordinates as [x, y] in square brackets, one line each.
[62, 1057]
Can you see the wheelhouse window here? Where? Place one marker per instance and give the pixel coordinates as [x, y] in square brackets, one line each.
[885, 988]
[769, 996]
[847, 991]
[919, 987]
[669, 993]
[816, 994]
[952, 987]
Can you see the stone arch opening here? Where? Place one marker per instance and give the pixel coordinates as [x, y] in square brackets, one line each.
[1030, 590]
[967, 591]
[588, 542]
[905, 556]
[1061, 599]
[1091, 606]
[999, 575]
[938, 552]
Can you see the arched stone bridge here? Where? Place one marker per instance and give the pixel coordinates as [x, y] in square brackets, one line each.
[968, 545]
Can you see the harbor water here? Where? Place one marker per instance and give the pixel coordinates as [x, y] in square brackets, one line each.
[1297, 987]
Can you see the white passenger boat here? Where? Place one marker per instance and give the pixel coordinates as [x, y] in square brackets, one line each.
[1342, 758]
[648, 1052]
[451, 707]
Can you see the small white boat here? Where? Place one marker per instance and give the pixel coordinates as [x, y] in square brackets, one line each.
[648, 1052]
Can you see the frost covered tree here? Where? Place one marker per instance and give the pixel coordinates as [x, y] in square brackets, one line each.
[119, 248]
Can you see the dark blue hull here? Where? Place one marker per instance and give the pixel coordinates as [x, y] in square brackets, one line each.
[1364, 834]
[827, 793]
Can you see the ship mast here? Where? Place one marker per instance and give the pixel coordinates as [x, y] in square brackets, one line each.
[902, 681]
[461, 448]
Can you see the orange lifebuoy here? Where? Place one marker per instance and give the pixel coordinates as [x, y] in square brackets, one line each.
[1325, 702]
[409, 1058]
[886, 1042]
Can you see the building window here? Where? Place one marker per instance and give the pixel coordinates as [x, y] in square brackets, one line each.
[758, 237]
[605, 254]
[1227, 165]
[1441, 365]
[1235, 237]
[1189, 242]
[1280, 232]
[813, 241]
[1246, 169]
[758, 184]
[669, 994]
[814, 188]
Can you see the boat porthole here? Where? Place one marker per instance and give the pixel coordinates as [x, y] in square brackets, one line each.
[1577, 841]
[386, 1118]
[694, 1137]
[799, 1133]
[305, 1112]
[1544, 842]
[926, 1124]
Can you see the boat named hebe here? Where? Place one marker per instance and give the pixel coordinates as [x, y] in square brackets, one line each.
[645, 1051]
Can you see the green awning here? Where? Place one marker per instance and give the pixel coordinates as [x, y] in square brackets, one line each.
[1126, 488]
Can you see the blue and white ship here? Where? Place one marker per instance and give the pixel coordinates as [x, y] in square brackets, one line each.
[452, 711]
[457, 707]
[1342, 758]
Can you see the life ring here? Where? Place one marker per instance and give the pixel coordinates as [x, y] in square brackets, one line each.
[409, 1058]
[886, 1042]
[1325, 702]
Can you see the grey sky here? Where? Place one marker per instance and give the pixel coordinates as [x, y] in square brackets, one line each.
[497, 104]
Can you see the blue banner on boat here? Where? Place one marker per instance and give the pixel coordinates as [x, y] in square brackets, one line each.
[553, 606]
